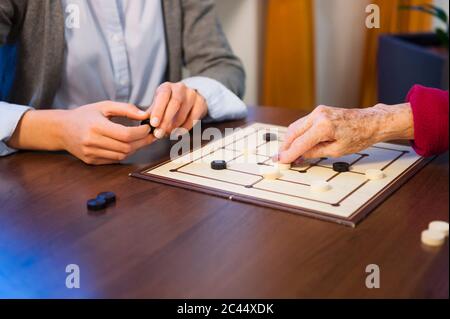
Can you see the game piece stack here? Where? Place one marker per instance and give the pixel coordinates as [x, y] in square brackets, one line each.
[101, 202]
[436, 234]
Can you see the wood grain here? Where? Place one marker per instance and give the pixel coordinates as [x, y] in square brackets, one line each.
[165, 242]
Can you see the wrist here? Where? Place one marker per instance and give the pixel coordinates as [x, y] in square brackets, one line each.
[40, 130]
[58, 130]
[393, 122]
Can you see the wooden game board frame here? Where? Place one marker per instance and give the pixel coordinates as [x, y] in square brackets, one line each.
[350, 221]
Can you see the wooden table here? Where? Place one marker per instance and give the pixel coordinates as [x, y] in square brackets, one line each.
[165, 242]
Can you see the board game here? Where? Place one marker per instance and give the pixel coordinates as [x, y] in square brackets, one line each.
[351, 195]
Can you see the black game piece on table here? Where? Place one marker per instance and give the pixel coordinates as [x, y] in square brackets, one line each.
[341, 167]
[269, 137]
[219, 165]
[109, 197]
[96, 204]
[147, 122]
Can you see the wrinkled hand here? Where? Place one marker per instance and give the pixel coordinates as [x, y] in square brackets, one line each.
[92, 137]
[176, 106]
[335, 132]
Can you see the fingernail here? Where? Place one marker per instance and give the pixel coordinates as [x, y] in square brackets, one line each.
[276, 158]
[154, 122]
[142, 113]
[159, 133]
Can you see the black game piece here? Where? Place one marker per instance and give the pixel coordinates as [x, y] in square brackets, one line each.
[109, 197]
[219, 165]
[147, 122]
[96, 204]
[341, 167]
[269, 137]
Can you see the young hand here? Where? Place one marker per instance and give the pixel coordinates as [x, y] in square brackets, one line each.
[92, 137]
[86, 132]
[176, 106]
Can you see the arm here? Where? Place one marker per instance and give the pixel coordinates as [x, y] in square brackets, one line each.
[333, 132]
[85, 132]
[207, 52]
[6, 20]
[10, 116]
[218, 78]
[430, 111]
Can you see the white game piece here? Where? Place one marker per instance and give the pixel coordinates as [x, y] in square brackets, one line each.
[375, 174]
[439, 226]
[320, 186]
[270, 172]
[283, 167]
[432, 238]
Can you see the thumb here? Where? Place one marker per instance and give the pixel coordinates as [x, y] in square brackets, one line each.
[110, 109]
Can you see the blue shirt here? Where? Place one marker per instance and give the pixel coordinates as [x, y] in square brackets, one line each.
[116, 50]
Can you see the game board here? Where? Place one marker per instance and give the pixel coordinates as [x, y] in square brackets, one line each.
[352, 197]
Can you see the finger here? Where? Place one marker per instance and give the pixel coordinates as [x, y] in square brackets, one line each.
[123, 133]
[135, 146]
[295, 131]
[169, 114]
[177, 100]
[197, 113]
[158, 107]
[110, 144]
[300, 146]
[98, 155]
[110, 109]
[107, 143]
[185, 110]
[322, 150]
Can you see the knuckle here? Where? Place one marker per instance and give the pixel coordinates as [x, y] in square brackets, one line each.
[87, 139]
[321, 110]
[180, 90]
[324, 124]
[126, 135]
[127, 149]
[165, 87]
[180, 86]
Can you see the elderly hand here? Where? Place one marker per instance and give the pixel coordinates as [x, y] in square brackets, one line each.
[335, 132]
[176, 106]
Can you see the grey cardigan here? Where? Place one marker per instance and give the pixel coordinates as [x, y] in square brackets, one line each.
[32, 48]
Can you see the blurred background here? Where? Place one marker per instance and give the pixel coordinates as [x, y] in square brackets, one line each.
[302, 53]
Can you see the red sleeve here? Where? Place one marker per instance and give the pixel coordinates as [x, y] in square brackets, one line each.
[430, 111]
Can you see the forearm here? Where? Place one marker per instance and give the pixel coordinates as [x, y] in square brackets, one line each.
[392, 122]
[39, 130]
